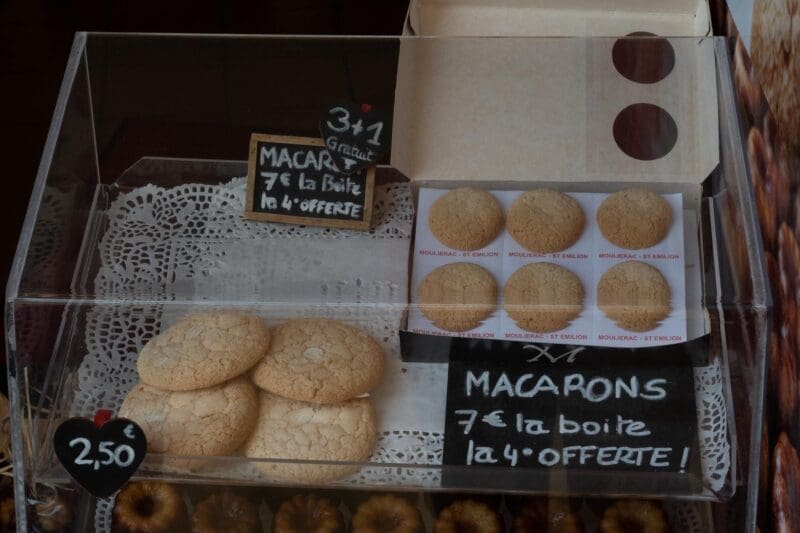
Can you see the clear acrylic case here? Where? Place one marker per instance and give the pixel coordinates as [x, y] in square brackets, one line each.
[133, 222]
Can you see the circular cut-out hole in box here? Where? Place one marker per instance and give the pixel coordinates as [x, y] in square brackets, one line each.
[643, 57]
[645, 131]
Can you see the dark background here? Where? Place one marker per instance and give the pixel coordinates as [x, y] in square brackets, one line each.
[36, 36]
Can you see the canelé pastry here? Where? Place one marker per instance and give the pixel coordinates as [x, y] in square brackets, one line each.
[543, 297]
[458, 296]
[545, 221]
[785, 486]
[466, 218]
[308, 514]
[546, 515]
[149, 507]
[634, 218]
[468, 516]
[635, 295]
[319, 360]
[626, 516]
[386, 514]
[53, 512]
[225, 512]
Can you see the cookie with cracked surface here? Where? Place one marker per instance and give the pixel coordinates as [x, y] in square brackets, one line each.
[290, 429]
[205, 422]
[320, 361]
[466, 218]
[634, 219]
[543, 297]
[203, 350]
[545, 221]
[458, 296]
[635, 295]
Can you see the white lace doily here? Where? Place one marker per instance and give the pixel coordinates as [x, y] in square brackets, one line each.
[189, 243]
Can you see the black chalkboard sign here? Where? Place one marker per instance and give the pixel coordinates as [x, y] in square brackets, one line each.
[100, 459]
[294, 180]
[356, 135]
[573, 414]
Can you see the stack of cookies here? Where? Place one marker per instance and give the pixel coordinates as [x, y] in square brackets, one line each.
[313, 405]
[197, 395]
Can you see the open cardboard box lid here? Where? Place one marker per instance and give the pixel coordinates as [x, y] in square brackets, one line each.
[544, 109]
[544, 18]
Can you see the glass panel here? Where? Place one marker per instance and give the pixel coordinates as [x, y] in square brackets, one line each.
[136, 222]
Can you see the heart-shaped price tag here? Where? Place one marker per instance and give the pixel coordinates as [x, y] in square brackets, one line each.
[356, 135]
[101, 459]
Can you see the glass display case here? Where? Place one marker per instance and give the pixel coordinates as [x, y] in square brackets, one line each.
[135, 223]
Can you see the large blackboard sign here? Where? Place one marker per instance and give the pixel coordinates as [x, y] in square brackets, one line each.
[294, 180]
[523, 415]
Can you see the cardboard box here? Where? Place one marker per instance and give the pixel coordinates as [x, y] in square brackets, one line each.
[544, 109]
[547, 18]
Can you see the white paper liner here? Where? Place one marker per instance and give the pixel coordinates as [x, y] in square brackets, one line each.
[181, 252]
[589, 258]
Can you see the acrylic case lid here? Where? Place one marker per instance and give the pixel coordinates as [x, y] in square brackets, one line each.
[549, 18]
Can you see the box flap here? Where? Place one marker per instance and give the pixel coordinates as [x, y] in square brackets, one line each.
[558, 17]
[548, 110]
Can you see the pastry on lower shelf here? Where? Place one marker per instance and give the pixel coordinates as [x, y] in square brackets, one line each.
[302, 431]
[53, 511]
[308, 513]
[553, 515]
[8, 515]
[625, 516]
[785, 485]
[468, 516]
[225, 512]
[386, 513]
[149, 507]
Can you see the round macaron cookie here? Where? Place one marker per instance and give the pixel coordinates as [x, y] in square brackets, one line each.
[319, 360]
[289, 429]
[458, 296]
[543, 297]
[545, 221]
[466, 218]
[634, 219]
[205, 422]
[635, 295]
[203, 350]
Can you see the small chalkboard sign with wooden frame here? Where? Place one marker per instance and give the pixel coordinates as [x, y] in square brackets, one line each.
[294, 180]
